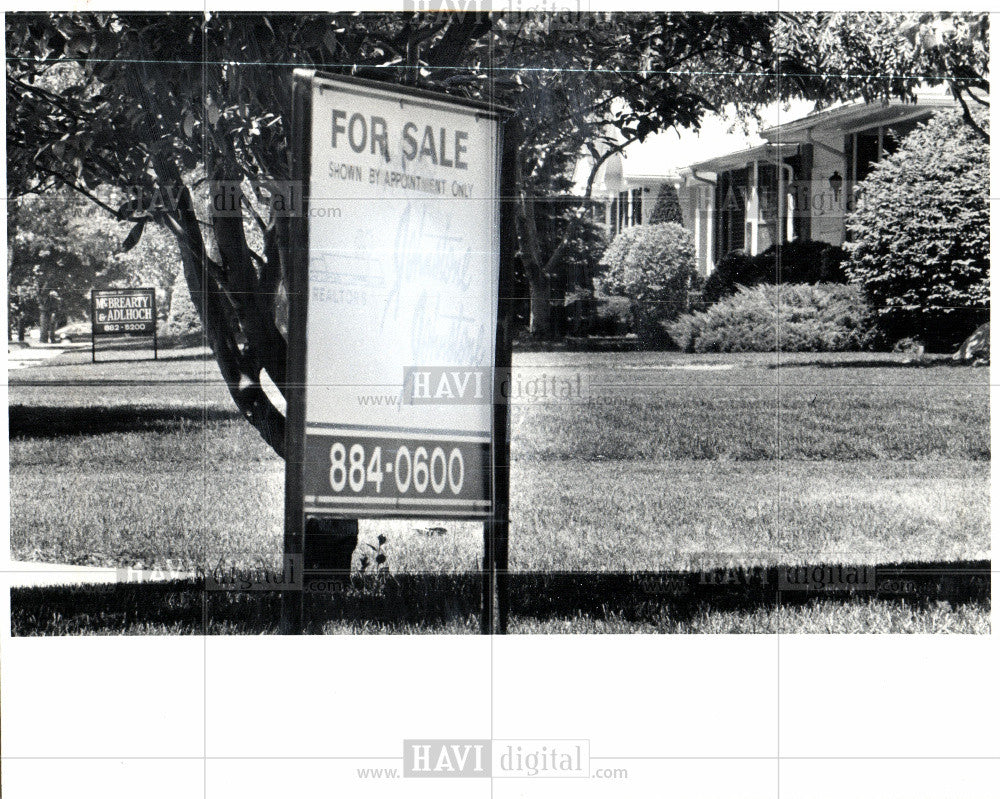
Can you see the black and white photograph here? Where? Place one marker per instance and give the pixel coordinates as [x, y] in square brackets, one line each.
[476, 320]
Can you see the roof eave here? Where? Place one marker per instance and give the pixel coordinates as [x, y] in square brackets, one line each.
[832, 115]
[734, 160]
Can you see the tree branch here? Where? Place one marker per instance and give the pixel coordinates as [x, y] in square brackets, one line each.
[967, 114]
[581, 208]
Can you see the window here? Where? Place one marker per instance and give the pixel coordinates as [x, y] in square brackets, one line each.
[867, 152]
[636, 206]
[865, 148]
[730, 200]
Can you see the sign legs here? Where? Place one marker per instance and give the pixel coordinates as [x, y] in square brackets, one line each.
[496, 585]
[489, 578]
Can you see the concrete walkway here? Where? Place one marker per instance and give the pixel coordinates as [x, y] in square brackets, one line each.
[19, 357]
[29, 574]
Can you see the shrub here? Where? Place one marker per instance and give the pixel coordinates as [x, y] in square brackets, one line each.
[183, 322]
[612, 317]
[654, 267]
[920, 235]
[667, 207]
[734, 267]
[790, 262]
[791, 317]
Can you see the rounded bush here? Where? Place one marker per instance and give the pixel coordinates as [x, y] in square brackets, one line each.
[791, 317]
[920, 235]
[654, 267]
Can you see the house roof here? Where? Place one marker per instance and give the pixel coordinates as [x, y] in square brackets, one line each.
[762, 152]
[852, 116]
[844, 118]
[660, 157]
[721, 143]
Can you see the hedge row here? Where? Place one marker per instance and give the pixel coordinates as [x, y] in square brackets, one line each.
[824, 317]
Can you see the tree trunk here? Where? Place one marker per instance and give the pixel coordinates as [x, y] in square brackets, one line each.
[44, 325]
[329, 545]
[540, 297]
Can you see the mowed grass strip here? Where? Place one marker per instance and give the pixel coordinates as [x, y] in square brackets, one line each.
[855, 616]
[749, 424]
[616, 516]
[694, 515]
[753, 423]
[147, 514]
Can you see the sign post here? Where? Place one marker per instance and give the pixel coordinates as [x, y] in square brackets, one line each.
[122, 312]
[397, 326]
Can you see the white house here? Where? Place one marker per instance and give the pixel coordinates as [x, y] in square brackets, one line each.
[791, 180]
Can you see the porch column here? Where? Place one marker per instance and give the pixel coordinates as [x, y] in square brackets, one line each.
[779, 233]
[697, 229]
[709, 224]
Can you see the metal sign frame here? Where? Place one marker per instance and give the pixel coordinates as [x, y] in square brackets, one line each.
[496, 519]
[131, 290]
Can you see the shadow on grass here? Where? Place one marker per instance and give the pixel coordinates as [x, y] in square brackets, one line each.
[882, 363]
[450, 602]
[79, 356]
[42, 421]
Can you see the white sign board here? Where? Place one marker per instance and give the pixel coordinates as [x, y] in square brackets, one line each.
[403, 265]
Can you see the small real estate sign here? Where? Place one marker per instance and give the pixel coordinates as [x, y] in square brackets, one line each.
[399, 281]
[123, 312]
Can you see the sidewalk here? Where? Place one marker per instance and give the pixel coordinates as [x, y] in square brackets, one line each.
[20, 356]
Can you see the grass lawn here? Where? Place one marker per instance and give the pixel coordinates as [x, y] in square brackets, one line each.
[673, 464]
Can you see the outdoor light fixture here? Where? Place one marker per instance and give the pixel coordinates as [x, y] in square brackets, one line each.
[836, 183]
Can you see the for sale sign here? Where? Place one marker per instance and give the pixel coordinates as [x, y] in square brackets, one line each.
[123, 312]
[400, 276]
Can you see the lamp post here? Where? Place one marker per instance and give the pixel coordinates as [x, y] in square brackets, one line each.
[836, 183]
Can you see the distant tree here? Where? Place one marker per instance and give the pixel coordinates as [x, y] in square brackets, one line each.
[667, 207]
[183, 322]
[60, 246]
[920, 235]
[57, 250]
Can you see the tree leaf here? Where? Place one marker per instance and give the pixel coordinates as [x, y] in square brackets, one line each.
[133, 237]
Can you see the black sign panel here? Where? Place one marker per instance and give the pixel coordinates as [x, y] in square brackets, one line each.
[118, 312]
[358, 473]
